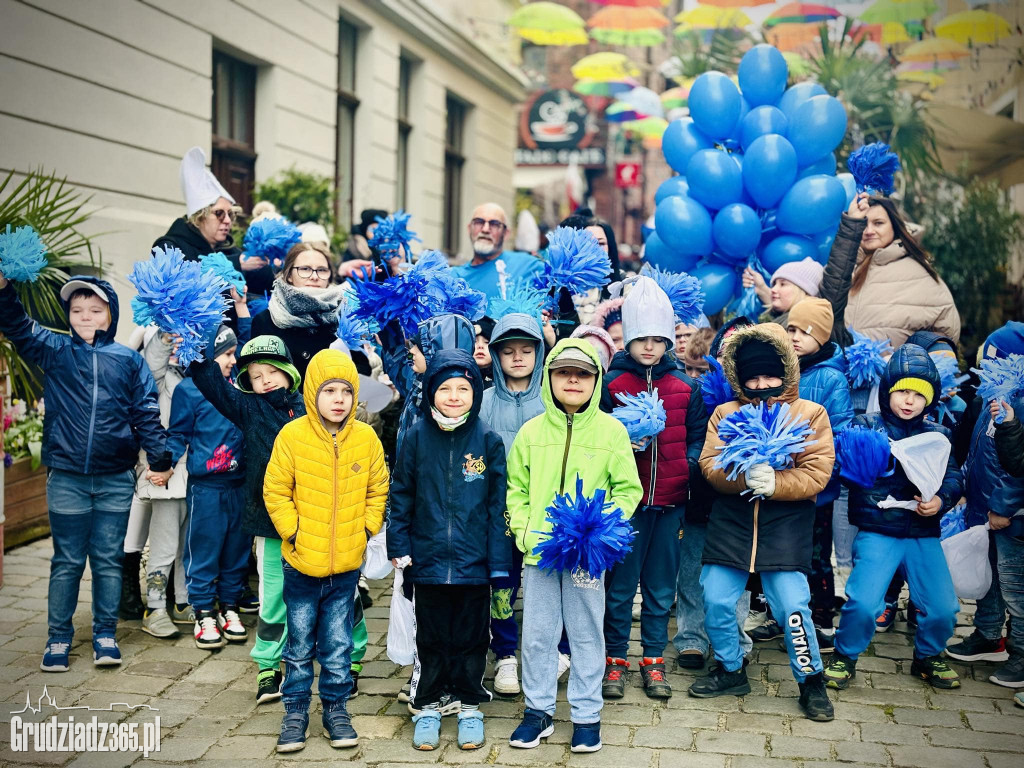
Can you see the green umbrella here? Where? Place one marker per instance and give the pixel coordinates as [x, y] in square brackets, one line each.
[898, 10]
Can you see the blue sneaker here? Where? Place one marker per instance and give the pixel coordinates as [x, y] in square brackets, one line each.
[56, 657]
[586, 737]
[535, 726]
[471, 729]
[293, 732]
[885, 621]
[105, 652]
[427, 735]
[338, 728]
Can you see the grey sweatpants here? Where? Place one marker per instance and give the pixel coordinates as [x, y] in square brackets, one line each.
[167, 526]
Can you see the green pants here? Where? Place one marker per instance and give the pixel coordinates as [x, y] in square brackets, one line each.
[272, 629]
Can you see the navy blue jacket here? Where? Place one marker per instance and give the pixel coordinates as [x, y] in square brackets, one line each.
[823, 381]
[448, 492]
[213, 443]
[909, 360]
[990, 487]
[101, 400]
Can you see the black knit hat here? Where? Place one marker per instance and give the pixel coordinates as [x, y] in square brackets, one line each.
[758, 358]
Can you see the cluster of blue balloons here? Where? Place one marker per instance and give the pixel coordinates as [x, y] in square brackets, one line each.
[758, 180]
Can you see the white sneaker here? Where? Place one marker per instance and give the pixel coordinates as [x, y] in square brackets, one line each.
[158, 623]
[231, 626]
[506, 676]
[754, 620]
[206, 631]
[563, 665]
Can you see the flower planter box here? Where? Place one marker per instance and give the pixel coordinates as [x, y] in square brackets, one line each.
[24, 504]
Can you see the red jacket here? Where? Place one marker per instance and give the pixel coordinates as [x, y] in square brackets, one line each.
[665, 465]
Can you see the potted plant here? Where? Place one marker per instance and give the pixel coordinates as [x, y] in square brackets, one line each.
[24, 476]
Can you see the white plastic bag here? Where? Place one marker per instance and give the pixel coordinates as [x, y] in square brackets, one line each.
[377, 565]
[923, 458]
[401, 626]
[967, 558]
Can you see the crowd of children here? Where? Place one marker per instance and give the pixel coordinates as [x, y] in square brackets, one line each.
[498, 420]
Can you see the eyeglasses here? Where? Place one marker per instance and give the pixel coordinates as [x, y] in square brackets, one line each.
[221, 213]
[322, 273]
[494, 224]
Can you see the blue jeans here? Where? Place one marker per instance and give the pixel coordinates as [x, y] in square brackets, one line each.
[320, 618]
[990, 614]
[216, 556]
[875, 560]
[88, 518]
[1006, 592]
[788, 596]
[843, 533]
[690, 633]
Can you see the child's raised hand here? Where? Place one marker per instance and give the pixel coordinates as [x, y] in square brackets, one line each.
[994, 409]
[928, 508]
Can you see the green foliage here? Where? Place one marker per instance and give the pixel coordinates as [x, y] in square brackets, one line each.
[300, 197]
[722, 52]
[23, 432]
[971, 233]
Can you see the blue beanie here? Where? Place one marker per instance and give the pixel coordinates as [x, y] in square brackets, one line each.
[1005, 341]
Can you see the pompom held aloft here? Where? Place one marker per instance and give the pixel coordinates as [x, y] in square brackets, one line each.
[1002, 379]
[865, 361]
[271, 239]
[715, 389]
[575, 261]
[22, 254]
[221, 266]
[642, 414]
[684, 291]
[873, 167]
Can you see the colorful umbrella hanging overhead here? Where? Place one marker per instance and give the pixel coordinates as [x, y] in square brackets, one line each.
[790, 37]
[737, 3]
[711, 17]
[677, 97]
[887, 33]
[545, 23]
[801, 13]
[617, 25]
[604, 66]
[645, 101]
[931, 79]
[798, 66]
[974, 27]
[935, 48]
[633, 3]
[620, 112]
[606, 88]
[900, 11]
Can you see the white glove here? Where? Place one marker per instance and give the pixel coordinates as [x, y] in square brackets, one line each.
[761, 480]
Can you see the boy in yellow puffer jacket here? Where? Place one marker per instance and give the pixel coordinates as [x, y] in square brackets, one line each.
[326, 487]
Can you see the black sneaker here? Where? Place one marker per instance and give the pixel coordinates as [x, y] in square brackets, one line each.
[718, 682]
[839, 671]
[355, 680]
[1010, 674]
[268, 685]
[652, 672]
[364, 593]
[936, 671]
[977, 647]
[826, 643]
[767, 631]
[249, 602]
[613, 686]
[690, 659]
[814, 700]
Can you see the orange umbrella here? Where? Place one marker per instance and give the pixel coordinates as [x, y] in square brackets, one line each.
[620, 18]
[790, 37]
[737, 3]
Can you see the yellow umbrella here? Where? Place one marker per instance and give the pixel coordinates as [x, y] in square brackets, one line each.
[931, 79]
[974, 27]
[894, 32]
[710, 17]
[604, 66]
[934, 48]
[546, 23]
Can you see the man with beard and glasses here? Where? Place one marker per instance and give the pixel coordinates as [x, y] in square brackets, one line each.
[492, 270]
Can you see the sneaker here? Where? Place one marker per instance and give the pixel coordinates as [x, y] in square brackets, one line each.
[448, 705]
[754, 620]
[56, 657]
[839, 671]
[535, 726]
[564, 664]
[471, 729]
[268, 685]
[105, 652]
[886, 619]
[826, 642]
[586, 737]
[249, 602]
[231, 626]
[183, 613]
[506, 676]
[338, 728]
[690, 659]
[364, 593]
[613, 686]
[355, 680]
[814, 700]
[912, 613]
[652, 672]
[936, 671]
[1010, 674]
[207, 633]
[294, 730]
[157, 622]
[767, 631]
[719, 682]
[404, 693]
[1018, 699]
[977, 647]
[427, 736]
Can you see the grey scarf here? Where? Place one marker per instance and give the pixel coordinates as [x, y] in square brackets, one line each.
[292, 307]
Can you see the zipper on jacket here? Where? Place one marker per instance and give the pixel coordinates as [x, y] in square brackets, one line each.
[92, 415]
[334, 503]
[753, 543]
[654, 448]
[565, 454]
[450, 483]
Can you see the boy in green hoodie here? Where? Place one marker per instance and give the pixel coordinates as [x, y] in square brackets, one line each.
[571, 438]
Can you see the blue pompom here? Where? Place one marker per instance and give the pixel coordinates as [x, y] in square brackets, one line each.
[221, 266]
[352, 330]
[393, 236]
[258, 304]
[865, 364]
[873, 167]
[180, 298]
[575, 261]
[715, 389]
[271, 239]
[953, 522]
[22, 254]
[642, 414]
[520, 298]
[584, 536]
[1001, 379]
[761, 434]
[863, 455]
[684, 291]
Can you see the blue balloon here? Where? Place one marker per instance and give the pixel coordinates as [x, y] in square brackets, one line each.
[787, 248]
[760, 121]
[684, 225]
[715, 105]
[715, 179]
[737, 230]
[816, 127]
[823, 242]
[680, 141]
[797, 95]
[675, 185]
[660, 255]
[810, 205]
[826, 165]
[733, 142]
[850, 185]
[647, 228]
[769, 168]
[763, 73]
[719, 282]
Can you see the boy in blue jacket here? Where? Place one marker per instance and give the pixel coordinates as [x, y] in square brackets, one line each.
[216, 556]
[448, 515]
[101, 404]
[889, 537]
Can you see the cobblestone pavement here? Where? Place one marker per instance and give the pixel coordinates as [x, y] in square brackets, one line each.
[208, 714]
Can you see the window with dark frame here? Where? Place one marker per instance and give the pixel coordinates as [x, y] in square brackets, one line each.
[234, 127]
[348, 103]
[454, 159]
[404, 129]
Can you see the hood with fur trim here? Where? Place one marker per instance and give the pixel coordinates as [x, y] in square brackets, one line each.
[770, 333]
